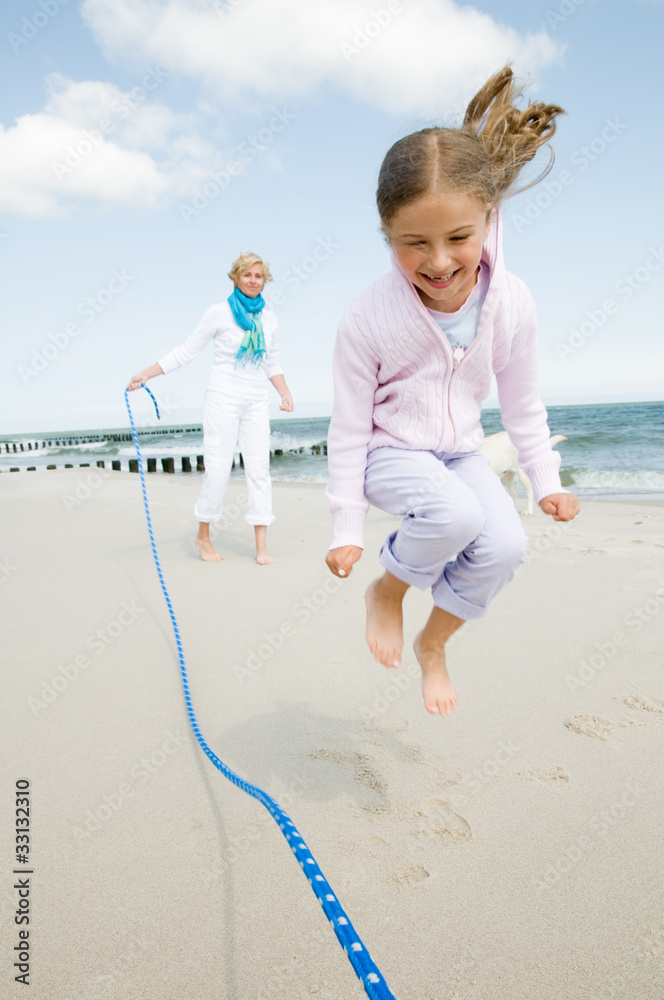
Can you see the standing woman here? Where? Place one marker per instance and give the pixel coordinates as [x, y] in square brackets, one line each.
[246, 356]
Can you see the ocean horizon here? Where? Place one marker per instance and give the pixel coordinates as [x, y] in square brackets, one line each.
[613, 450]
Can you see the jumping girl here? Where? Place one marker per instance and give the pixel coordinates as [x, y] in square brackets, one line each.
[246, 356]
[414, 357]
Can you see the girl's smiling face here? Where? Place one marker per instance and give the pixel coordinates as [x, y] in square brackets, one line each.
[438, 240]
[251, 282]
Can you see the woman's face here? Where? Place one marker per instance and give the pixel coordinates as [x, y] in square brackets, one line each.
[251, 282]
[438, 240]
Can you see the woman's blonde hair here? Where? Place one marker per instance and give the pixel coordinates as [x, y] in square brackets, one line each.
[482, 158]
[242, 264]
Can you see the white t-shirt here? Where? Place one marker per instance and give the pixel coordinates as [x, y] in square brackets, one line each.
[218, 325]
[460, 327]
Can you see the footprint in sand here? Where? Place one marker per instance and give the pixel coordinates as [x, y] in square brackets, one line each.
[364, 773]
[412, 876]
[638, 702]
[591, 725]
[534, 774]
[438, 819]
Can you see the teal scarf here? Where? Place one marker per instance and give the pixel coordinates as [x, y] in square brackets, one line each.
[246, 313]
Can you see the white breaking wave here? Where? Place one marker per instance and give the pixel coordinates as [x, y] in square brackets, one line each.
[91, 447]
[287, 442]
[297, 479]
[156, 451]
[616, 479]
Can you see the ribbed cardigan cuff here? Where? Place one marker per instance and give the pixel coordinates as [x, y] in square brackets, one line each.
[545, 480]
[348, 528]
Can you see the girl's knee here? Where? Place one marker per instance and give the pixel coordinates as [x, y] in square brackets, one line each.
[469, 520]
[459, 523]
[511, 548]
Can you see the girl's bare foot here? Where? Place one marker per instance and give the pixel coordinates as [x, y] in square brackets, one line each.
[263, 559]
[384, 599]
[439, 695]
[429, 645]
[207, 551]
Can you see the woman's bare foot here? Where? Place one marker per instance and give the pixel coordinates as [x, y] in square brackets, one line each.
[429, 645]
[437, 691]
[262, 558]
[204, 545]
[384, 599]
[207, 550]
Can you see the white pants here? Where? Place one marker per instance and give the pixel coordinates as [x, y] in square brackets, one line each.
[230, 421]
[460, 534]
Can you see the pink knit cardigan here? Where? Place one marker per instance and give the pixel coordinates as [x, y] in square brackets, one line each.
[396, 383]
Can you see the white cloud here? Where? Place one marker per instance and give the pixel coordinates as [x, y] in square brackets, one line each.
[137, 121]
[422, 57]
[404, 56]
[94, 142]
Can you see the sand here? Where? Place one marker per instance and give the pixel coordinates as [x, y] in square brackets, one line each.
[512, 850]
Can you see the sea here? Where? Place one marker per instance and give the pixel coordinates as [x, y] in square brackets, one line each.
[613, 450]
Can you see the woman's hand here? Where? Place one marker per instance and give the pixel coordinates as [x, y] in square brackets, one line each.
[136, 381]
[342, 560]
[287, 403]
[561, 506]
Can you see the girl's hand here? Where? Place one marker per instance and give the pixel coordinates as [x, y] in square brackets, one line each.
[287, 403]
[342, 560]
[561, 506]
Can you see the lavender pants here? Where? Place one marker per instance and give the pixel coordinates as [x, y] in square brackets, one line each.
[460, 535]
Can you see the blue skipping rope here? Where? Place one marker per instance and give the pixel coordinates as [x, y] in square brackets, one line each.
[367, 971]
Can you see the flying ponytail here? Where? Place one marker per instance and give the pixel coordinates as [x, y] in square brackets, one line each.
[510, 138]
[483, 158]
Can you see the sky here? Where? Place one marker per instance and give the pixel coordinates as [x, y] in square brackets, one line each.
[144, 144]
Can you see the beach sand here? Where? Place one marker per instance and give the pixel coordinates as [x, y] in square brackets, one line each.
[509, 851]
